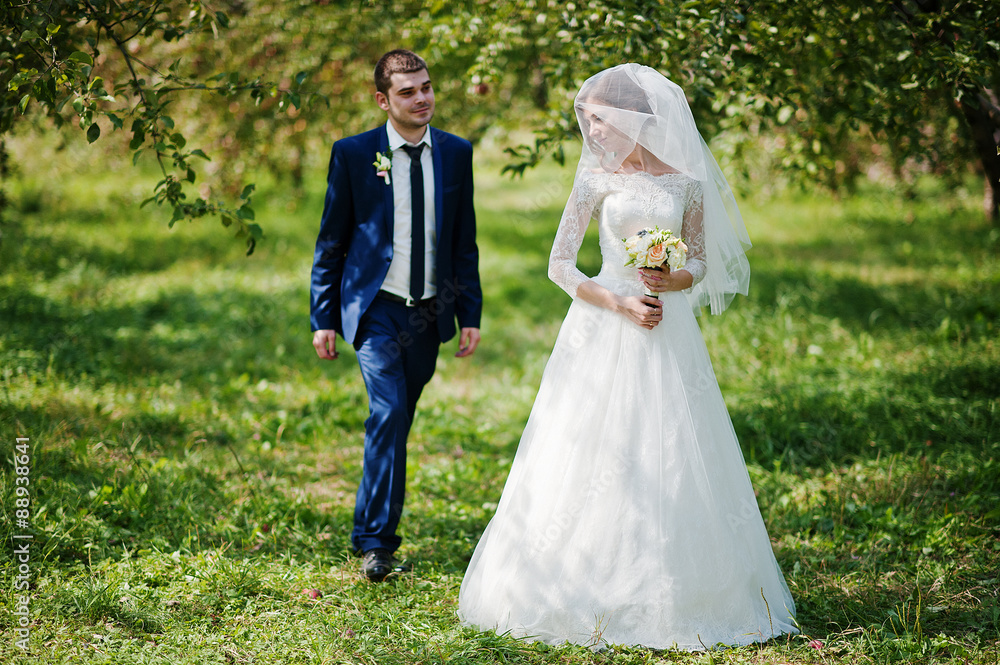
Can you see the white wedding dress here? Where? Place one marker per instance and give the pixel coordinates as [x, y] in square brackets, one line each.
[628, 516]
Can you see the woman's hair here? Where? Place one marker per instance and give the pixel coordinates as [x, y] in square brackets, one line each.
[399, 61]
[618, 92]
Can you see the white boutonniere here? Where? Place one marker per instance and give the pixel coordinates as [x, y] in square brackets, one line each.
[383, 165]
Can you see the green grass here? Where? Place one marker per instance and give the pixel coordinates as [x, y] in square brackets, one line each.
[193, 464]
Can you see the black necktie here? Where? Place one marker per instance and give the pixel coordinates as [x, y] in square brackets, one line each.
[417, 223]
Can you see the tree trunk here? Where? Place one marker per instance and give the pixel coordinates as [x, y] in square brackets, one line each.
[4, 172]
[991, 200]
[983, 116]
[980, 104]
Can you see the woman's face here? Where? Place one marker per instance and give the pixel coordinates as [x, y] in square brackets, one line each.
[604, 137]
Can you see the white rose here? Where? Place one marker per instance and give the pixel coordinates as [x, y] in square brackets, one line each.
[677, 258]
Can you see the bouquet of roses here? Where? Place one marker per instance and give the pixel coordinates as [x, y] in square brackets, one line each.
[651, 248]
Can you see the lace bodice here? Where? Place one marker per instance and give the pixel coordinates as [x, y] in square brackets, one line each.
[623, 204]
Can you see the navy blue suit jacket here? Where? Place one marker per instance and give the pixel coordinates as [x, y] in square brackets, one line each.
[354, 246]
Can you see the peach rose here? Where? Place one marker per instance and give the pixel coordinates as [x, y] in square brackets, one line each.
[657, 254]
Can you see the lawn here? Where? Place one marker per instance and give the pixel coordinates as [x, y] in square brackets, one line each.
[192, 465]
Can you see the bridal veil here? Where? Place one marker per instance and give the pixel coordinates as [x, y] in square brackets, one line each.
[643, 107]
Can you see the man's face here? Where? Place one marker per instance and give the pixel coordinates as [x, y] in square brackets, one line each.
[410, 100]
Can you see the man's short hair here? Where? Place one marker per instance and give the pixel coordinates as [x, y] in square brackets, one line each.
[399, 61]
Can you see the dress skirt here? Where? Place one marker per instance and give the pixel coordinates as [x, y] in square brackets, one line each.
[628, 516]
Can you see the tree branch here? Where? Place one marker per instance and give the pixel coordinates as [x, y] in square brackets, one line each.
[152, 13]
[135, 81]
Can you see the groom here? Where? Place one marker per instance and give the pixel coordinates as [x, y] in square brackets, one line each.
[396, 264]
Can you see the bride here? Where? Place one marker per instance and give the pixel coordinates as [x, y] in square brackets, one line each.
[628, 516]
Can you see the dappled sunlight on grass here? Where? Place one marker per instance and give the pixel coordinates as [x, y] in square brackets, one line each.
[194, 464]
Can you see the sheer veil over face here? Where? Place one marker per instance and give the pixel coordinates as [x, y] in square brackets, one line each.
[632, 105]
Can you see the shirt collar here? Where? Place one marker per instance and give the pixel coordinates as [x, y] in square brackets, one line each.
[396, 141]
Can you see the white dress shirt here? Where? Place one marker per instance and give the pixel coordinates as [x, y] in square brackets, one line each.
[397, 281]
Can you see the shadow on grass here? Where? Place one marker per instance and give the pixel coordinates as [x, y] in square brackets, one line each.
[944, 405]
[178, 334]
[892, 607]
[859, 306]
[157, 249]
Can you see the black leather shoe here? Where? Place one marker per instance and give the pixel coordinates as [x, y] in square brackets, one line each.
[379, 563]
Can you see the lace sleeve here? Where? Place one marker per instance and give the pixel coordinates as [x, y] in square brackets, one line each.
[694, 231]
[575, 219]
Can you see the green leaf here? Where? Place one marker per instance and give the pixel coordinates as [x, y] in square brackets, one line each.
[28, 35]
[167, 121]
[20, 79]
[23, 104]
[254, 233]
[247, 191]
[222, 19]
[93, 133]
[46, 90]
[80, 56]
[197, 152]
[227, 221]
[135, 157]
[52, 28]
[245, 212]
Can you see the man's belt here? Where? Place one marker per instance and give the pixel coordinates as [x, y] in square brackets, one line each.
[409, 302]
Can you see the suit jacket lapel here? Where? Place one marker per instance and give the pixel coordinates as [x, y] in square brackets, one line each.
[388, 204]
[438, 180]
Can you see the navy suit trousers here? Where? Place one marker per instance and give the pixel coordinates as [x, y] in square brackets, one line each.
[397, 349]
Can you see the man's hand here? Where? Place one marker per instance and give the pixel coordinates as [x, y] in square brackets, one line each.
[325, 343]
[467, 342]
